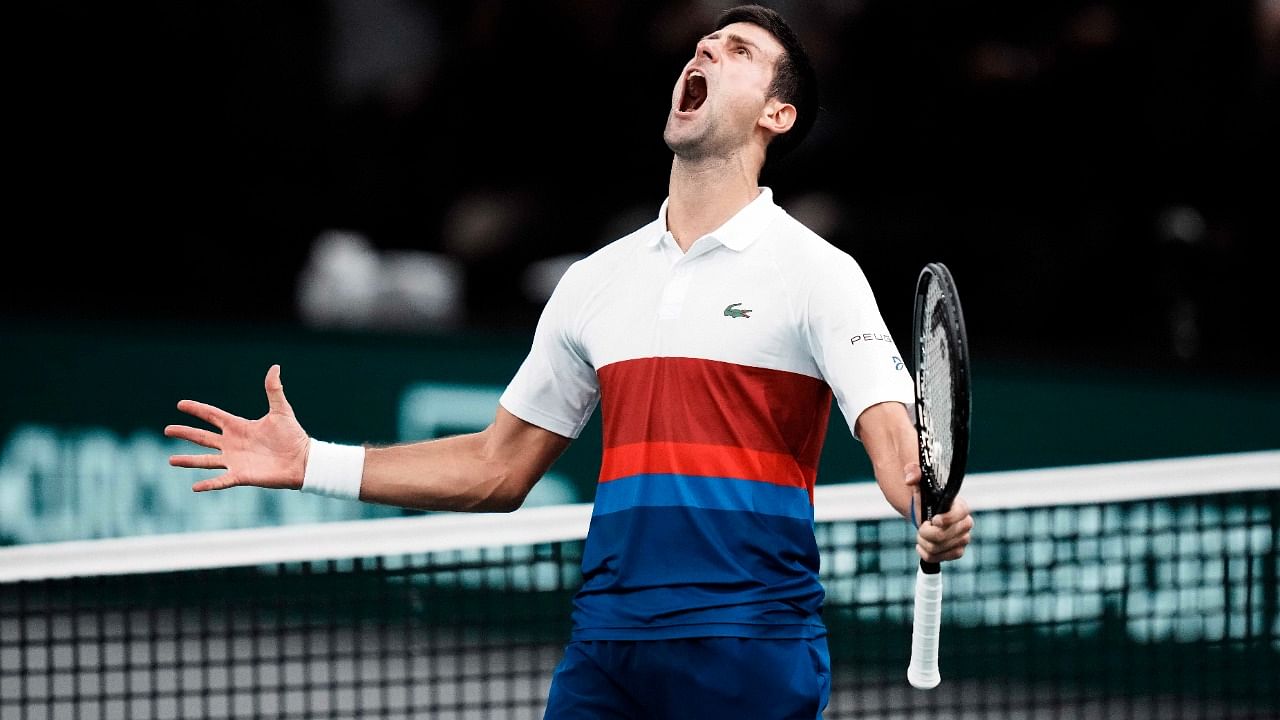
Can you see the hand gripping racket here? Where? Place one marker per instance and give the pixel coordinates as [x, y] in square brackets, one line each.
[941, 353]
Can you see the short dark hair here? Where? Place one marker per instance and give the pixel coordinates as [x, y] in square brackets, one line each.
[794, 79]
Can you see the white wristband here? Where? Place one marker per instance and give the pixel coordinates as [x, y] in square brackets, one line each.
[333, 470]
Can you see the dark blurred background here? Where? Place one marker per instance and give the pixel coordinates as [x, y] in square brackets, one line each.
[1100, 176]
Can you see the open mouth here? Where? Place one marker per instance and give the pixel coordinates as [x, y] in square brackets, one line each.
[695, 92]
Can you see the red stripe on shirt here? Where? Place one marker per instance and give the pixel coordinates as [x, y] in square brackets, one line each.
[717, 461]
[708, 402]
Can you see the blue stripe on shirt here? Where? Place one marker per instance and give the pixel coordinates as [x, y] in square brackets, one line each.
[711, 493]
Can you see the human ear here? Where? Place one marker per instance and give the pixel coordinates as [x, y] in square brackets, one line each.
[777, 117]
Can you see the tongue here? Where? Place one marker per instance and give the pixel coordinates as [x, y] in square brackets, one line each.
[695, 92]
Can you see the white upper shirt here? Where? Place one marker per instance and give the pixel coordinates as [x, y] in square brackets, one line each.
[809, 311]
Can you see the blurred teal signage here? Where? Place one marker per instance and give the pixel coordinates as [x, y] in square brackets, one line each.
[70, 484]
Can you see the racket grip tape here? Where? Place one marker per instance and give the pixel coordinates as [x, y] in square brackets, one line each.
[922, 672]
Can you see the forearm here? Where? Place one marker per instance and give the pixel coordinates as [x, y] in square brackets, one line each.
[895, 490]
[457, 473]
[489, 471]
[890, 440]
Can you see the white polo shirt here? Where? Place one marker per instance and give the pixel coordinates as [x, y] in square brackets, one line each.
[715, 369]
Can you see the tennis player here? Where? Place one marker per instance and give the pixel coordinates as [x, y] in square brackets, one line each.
[714, 338]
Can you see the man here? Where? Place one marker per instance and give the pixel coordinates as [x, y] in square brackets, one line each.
[714, 337]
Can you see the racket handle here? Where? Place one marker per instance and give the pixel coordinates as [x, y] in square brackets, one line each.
[922, 673]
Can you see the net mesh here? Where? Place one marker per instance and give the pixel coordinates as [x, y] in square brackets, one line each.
[936, 412]
[1163, 607]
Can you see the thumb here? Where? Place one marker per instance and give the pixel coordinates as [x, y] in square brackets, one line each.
[959, 511]
[912, 474]
[275, 392]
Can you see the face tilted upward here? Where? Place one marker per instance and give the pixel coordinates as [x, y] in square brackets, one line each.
[722, 91]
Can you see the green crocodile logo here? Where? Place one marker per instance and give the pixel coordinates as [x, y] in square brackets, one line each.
[733, 311]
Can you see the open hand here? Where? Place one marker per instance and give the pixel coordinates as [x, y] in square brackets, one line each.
[269, 452]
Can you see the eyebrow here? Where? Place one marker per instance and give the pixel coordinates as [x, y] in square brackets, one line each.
[735, 38]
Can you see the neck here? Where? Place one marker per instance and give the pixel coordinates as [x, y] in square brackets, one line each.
[705, 193]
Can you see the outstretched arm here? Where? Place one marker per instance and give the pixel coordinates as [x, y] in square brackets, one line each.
[489, 471]
[893, 446]
[492, 470]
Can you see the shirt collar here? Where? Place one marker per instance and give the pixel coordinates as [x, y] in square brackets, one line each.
[739, 231]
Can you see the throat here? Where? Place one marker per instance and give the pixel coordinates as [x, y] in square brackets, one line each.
[701, 201]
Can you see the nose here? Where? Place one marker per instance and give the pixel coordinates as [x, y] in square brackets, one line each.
[707, 48]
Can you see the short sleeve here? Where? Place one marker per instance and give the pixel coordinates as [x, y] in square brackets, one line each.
[850, 342]
[555, 387]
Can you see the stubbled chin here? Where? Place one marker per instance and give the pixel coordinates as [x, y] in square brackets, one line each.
[682, 136]
[684, 125]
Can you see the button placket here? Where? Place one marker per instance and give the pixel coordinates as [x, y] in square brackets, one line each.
[675, 292]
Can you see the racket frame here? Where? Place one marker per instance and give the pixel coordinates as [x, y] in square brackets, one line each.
[922, 672]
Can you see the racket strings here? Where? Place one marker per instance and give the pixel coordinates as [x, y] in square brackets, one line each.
[936, 397]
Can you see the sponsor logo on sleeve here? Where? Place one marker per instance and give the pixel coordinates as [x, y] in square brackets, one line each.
[870, 338]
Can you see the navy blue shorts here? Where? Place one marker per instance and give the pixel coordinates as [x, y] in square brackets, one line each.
[715, 677]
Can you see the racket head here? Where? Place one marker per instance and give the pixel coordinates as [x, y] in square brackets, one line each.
[942, 387]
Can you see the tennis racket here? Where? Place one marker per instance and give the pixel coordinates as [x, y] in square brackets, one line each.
[941, 353]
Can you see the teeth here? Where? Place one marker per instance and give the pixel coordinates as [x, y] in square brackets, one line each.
[693, 93]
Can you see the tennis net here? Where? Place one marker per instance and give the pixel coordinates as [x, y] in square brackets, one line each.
[1131, 590]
